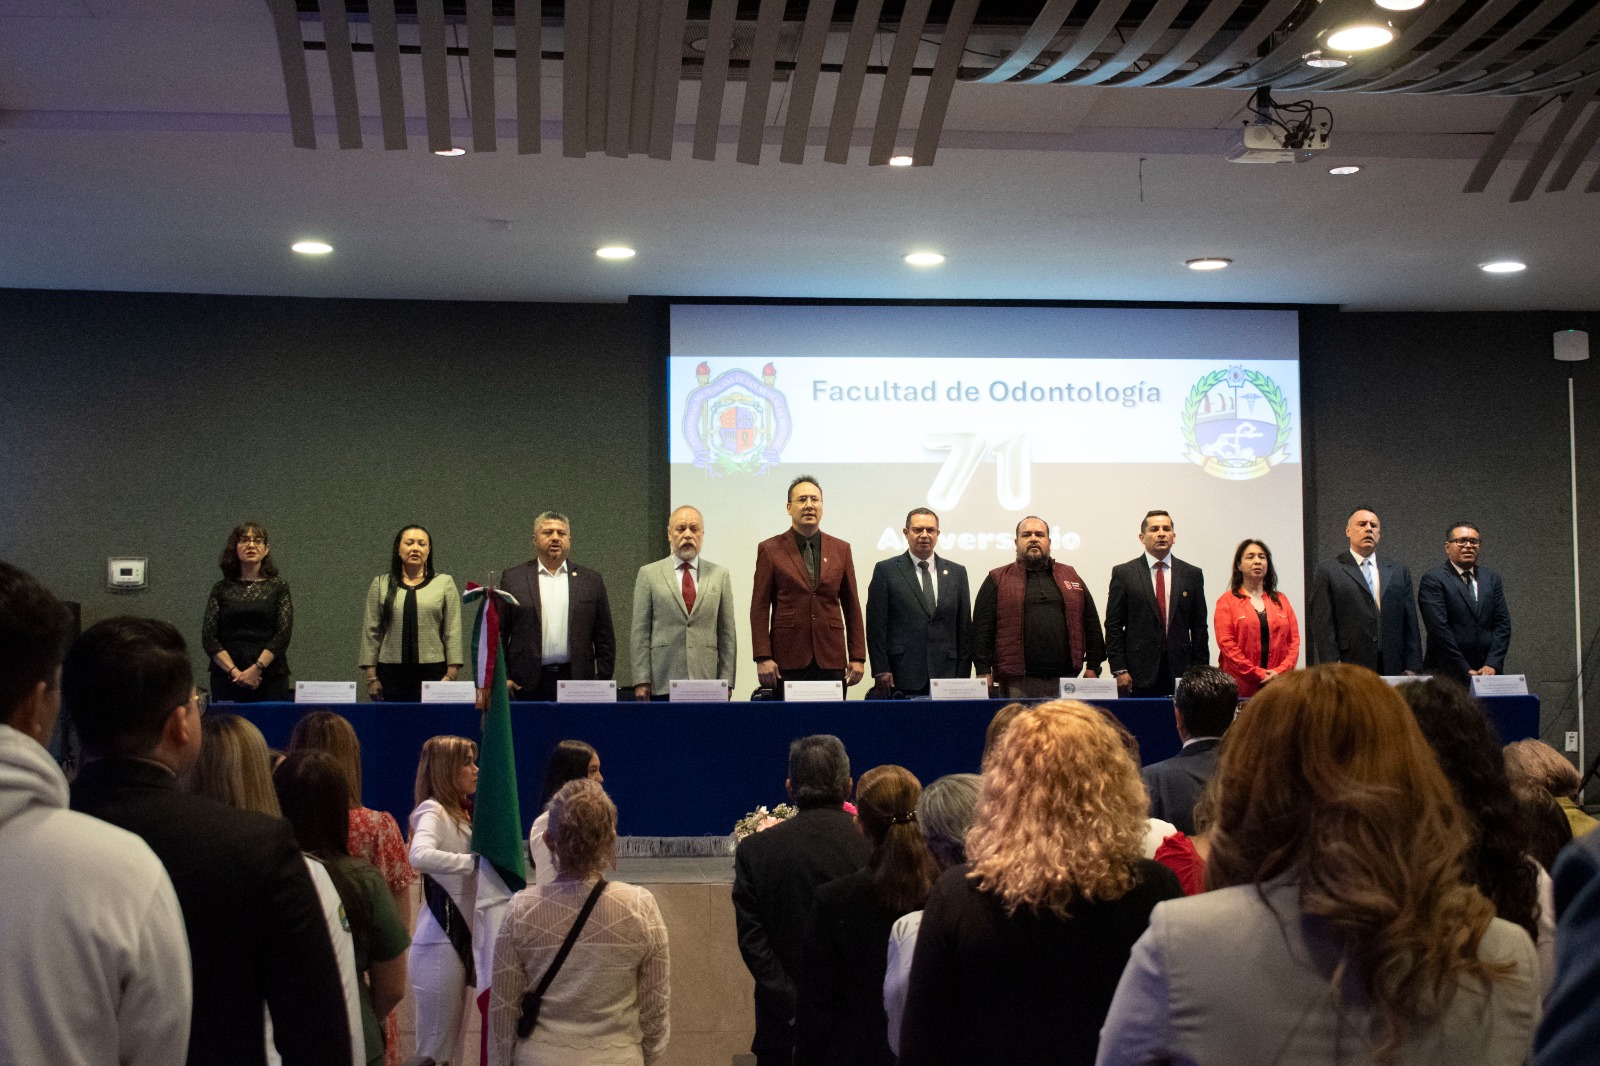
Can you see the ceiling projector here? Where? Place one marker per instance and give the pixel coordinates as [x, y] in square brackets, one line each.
[1270, 141]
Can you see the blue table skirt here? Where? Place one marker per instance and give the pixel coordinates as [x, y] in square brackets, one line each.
[694, 769]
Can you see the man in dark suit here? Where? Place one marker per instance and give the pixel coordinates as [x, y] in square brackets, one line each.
[1204, 707]
[560, 627]
[1362, 608]
[1569, 1030]
[776, 873]
[805, 610]
[1156, 614]
[1463, 608]
[257, 935]
[918, 613]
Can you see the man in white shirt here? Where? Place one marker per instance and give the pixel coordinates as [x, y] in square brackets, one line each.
[93, 953]
[560, 625]
[683, 620]
[1362, 607]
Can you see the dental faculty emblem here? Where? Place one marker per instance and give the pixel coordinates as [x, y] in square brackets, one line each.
[1236, 424]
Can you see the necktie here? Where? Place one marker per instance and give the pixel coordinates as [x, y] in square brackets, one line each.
[1161, 593]
[1471, 578]
[811, 563]
[688, 587]
[1370, 572]
[927, 585]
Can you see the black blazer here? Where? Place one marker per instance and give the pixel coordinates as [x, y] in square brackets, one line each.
[591, 643]
[907, 641]
[256, 930]
[1175, 784]
[840, 1020]
[1463, 635]
[1133, 626]
[1345, 624]
[776, 874]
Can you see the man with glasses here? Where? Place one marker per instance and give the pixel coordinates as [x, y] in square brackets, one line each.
[1464, 610]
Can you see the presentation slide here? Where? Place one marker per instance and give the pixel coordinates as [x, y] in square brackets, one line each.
[1084, 417]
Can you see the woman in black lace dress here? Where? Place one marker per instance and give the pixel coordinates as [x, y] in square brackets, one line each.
[249, 618]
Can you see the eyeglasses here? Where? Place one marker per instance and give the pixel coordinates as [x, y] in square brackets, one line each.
[202, 701]
[1466, 542]
[252, 540]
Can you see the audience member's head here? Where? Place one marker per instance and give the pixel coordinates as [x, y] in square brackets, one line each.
[997, 726]
[1061, 815]
[944, 814]
[1125, 737]
[819, 772]
[1206, 702]
[315, 797]
[1533, 765]
[583, 829]
[333, 735]
[570, 760]
[233, 767]
[129, 687]
[1459, 733]
[1326, 778]
[33, 630]
[886, 807]
[1546, 826]
[447, 773]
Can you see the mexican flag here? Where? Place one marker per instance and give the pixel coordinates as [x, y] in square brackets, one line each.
[497, 815]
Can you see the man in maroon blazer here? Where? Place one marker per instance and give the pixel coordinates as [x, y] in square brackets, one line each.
[805, 610]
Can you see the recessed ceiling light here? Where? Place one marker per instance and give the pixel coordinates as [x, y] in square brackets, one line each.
[1401, 5]
[900, 161]
[311, 247]
[924, 259]
[1317, 58]
[1503, 266]
[1360, 37]
[1342, 171]
[615, 251]
[452, 152]
[1210, 262]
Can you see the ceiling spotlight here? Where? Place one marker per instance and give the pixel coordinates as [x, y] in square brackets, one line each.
[615, 251]
[900, 161]
[1342, 171]
[1210, 262]
[451, 152]
[311, 247]
[924, 259]
[1360, 37]
[1503, 266]
[1317, 58]
[1401, 5]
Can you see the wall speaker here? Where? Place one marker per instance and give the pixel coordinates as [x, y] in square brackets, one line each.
[1571, 345]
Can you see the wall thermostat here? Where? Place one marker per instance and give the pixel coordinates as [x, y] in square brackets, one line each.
[126, 575]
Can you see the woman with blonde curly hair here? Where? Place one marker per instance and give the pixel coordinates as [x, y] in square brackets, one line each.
[1020, 949]
[1339, 926]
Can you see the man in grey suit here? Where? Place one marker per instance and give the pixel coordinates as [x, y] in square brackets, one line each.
[1362, 608]
[918, 614]
[683, 620]
[1204, 707]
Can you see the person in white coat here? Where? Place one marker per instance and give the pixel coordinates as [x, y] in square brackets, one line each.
[441, 851]
[92, 949]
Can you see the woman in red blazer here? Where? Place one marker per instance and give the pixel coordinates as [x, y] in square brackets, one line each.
[1251, 616]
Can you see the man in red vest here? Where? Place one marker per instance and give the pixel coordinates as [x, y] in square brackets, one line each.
[1035, 621]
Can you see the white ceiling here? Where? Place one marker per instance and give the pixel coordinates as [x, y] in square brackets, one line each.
[146, 147]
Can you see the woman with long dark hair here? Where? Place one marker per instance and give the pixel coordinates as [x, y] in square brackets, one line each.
[570, 760]
[411, 632]
[248, 621]
[1258, 636]
[840, 1019]
[1339, 925]
[312, 792]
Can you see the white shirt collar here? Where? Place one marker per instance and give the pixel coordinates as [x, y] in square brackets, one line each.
[1150, 561]
[694, 564]
[1360, 561]
[559, 571]
[932, 560]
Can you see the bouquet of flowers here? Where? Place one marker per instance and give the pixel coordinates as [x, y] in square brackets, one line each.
[760, 819]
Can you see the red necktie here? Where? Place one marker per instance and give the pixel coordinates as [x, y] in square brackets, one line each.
[1161, 593]
[688, 587]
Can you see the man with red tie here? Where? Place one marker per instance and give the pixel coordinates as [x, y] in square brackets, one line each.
[1156, 614]
[683, 621]
[805, 609]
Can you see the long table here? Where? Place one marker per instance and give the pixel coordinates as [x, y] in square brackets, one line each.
[694, 769]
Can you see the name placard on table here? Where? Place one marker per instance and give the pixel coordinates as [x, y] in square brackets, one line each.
[702, 691]
[958, 688]
[1088, 688]
[324, 691]
[449, 692]
[813, 691]
[586, 692]
[1500, 685]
